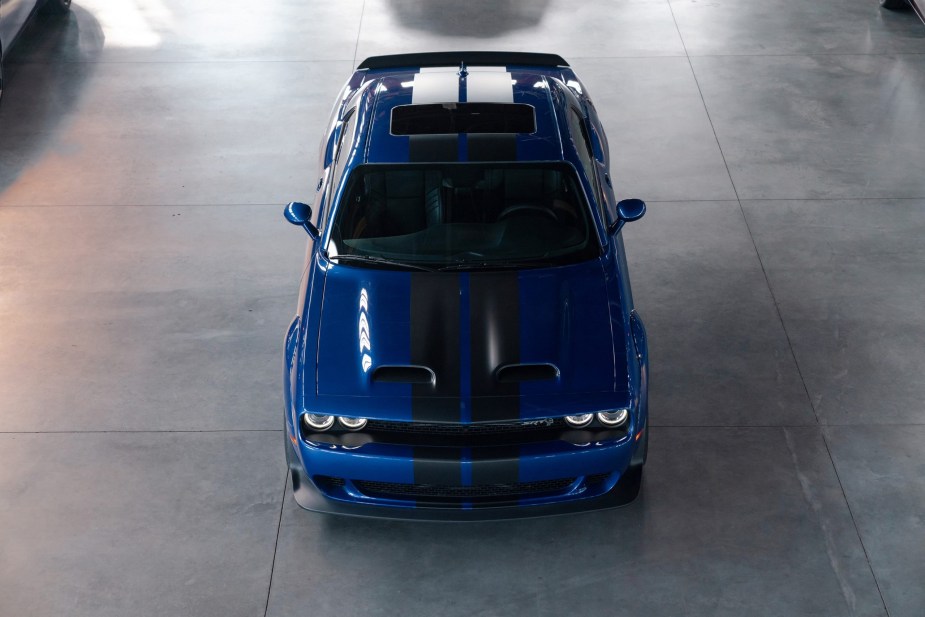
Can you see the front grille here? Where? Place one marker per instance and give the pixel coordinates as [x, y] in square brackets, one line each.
[466, 434]
[596, 478]
[455, 494]
[465, 430]
[327, 482]
[463, 435]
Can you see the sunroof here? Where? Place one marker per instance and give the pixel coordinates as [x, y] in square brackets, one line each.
[444, 118]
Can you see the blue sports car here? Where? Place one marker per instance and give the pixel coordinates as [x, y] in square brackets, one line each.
[465, 345]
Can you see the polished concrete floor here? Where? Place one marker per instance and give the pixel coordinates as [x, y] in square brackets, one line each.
[147, 275]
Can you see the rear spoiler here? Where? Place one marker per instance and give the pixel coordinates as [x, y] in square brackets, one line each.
[470, 58]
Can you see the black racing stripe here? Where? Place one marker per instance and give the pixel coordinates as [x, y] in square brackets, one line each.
[494, 327]
[440, 466]
[492, 147]
[435, 344]
[433, 148]
[495, 466]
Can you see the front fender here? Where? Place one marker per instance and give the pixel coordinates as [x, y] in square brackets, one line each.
[289, 363]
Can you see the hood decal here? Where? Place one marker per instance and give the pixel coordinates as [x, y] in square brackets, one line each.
[459, 317]
[435, 344]
[494, 324]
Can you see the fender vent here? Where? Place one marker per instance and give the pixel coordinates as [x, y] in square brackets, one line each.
[404, 374]
[511, 373]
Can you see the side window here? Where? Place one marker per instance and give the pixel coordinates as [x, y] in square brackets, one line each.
[579, 132]
[340, 158]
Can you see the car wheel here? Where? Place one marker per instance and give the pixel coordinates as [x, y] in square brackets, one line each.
[56, 7]
[894, 5]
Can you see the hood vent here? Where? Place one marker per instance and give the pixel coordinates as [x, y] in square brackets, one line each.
[404, 374]
[512, 373]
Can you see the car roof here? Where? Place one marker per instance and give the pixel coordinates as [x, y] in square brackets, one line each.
[386, 88]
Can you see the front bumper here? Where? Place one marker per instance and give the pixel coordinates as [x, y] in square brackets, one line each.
[464, 484]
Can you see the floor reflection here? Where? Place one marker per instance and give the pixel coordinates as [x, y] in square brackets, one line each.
[477, 18]
[41, 91]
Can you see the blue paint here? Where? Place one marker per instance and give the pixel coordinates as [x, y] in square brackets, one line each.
[466, 467]
[465, 349]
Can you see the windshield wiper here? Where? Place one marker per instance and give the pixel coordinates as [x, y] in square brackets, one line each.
[381, 261]
[496, 265]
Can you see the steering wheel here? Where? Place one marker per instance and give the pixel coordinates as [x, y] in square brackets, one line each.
[527, 210]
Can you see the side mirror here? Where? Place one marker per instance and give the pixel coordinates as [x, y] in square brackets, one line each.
[628, 210]
[300, 214]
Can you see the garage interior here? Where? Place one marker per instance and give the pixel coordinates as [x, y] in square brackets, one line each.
[147, 277]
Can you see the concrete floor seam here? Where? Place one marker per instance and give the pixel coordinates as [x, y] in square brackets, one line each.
[356, 47]
[745, 220]
[854, 522]
[142, 431]
[784, 327]
[279, 525]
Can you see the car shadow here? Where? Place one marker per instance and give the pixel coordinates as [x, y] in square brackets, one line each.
[477, 18]
[45, 74]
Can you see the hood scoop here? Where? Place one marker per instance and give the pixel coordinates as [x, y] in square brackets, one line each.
[509, 373]
[514, 373]
[404, 374]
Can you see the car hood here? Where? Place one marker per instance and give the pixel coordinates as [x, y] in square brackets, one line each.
[468, 346]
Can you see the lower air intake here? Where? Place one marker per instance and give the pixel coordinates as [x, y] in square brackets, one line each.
[455, 494]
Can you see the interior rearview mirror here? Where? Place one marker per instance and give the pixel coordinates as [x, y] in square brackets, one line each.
[300, 214]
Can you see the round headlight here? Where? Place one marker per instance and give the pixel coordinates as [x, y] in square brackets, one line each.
[616, 417]
[353, 424]
[318, 421]
[580, 420]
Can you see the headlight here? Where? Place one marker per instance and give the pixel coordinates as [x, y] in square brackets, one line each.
[353, 424]
[318, 421]
[580, 420]
[617, 417]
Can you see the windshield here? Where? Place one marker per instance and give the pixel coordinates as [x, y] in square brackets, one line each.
[462, 216]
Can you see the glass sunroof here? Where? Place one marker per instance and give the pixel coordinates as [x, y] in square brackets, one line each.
[442, 118]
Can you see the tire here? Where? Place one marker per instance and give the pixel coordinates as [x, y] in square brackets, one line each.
[56, 7]
[894, 5]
